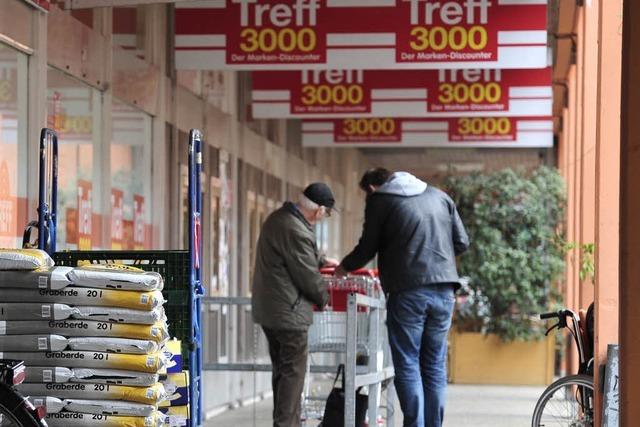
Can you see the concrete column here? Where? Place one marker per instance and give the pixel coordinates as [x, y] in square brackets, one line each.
[103, 23]
[630, 218]
[37, 105]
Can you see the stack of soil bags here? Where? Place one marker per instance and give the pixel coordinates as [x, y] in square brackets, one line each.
[91, 337]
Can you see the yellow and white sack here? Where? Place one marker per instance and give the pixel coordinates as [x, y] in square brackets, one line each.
[24, 259]
[43, 278]
[116, 276]
[114, 345]
[74, 419]
[28, 311]
[109, 407]
[86, 328]
[120, 315]
[41, 374]
[75, 296]
[61, 375]
[176, 416]
[114, 376]
[147, 395]
[53, 405]
[13, 343]
[150, 363]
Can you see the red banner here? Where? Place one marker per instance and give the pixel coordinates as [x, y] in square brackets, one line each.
[419, 132]
[367, 130]
[401, 93]
[85, 212]
[361, 34]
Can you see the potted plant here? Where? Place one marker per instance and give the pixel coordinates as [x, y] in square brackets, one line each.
[513, 218]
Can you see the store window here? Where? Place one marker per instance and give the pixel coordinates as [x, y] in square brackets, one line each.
[130, 178]
[13, 142]
[74, 111]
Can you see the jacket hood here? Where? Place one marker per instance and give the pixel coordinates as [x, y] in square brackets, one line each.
[403, 184]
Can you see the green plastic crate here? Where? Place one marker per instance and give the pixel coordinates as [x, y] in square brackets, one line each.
[173, 266]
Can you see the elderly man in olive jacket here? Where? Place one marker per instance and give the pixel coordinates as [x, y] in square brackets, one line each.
[286, 284]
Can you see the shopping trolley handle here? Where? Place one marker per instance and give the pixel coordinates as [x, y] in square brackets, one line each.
[330, 271]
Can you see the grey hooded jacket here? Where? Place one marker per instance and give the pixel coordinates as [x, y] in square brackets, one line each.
[287, 280]
[416, 232]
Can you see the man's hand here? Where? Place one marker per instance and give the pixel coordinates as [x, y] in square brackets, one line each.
[330, 262]
[340, 271]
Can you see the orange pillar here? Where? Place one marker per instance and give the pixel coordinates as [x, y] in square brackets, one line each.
[589, 39]
[573, 189]
[630, 219]
[607, 185]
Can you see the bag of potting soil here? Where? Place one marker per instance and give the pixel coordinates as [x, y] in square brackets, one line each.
[43, 278]
[150, 363]
[113, 345]
[109, 407]
[120, 315]
[53, 405]
[173, 348]
[28, 311]
[176, 416]
[116, 276]
[148, 395]
[114, 376]
[24, 259]
[75, 296]
[177, 389]
[39, 374]
[32, 343]
[75, 419]
[85, 328]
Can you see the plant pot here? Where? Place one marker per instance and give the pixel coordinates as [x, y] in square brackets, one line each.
[475, 358]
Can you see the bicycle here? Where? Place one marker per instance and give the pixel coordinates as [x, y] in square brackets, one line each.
[569, 401]
[15, 409]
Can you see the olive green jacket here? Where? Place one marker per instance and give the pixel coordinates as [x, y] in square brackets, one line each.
[286, 280]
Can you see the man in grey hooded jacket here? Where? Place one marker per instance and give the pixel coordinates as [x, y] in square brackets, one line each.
[417, 233]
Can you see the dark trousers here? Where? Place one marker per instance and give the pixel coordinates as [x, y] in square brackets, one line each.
[288, 351]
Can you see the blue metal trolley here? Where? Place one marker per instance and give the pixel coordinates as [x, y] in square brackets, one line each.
[176, 267]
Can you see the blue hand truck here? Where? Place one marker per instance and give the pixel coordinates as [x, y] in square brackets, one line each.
[177, 267]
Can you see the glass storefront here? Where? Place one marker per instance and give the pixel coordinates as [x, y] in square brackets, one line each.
[130, 178]
[74, 111]
[13, 143]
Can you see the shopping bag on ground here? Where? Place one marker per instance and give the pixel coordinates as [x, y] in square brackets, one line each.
[334, 408]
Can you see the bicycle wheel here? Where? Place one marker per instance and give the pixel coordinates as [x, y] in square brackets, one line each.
[567, 402]
[15, 410]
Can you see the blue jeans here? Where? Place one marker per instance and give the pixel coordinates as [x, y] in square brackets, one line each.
[418, 322]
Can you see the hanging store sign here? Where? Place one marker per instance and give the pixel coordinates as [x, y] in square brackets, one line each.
[361, 34]
[404, 93]
[447, 132]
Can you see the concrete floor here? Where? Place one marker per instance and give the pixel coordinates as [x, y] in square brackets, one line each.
[468, 406]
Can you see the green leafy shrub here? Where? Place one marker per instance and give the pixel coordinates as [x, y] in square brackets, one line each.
[513, 218]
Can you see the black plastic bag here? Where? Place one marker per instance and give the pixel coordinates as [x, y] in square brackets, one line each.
[334, 409]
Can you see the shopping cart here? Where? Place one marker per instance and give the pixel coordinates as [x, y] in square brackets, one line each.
[329, 330]
[328, 336]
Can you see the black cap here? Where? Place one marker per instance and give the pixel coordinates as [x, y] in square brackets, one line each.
[321, 194]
